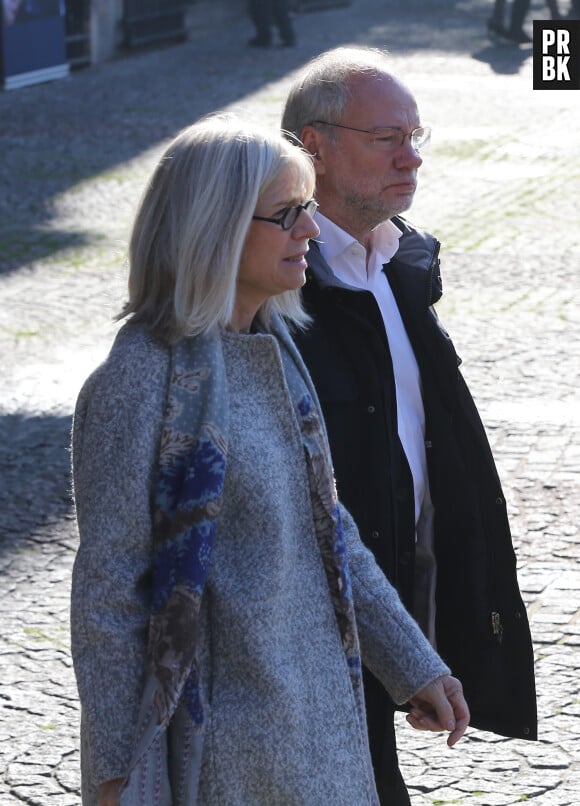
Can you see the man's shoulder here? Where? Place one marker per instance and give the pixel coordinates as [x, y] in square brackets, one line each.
[410, 230]
[417, 247]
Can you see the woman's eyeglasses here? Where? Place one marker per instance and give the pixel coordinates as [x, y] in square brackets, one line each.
[289, 216]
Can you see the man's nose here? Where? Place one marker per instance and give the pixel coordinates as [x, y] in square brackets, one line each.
[407, 155]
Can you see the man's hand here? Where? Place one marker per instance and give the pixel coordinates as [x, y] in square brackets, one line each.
[440, 706]
[109, 792]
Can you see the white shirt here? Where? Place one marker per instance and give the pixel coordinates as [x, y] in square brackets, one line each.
[348, 260]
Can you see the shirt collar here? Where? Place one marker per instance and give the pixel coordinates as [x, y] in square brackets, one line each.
[334, 241]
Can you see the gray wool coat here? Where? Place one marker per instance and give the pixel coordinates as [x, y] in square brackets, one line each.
[280, 717]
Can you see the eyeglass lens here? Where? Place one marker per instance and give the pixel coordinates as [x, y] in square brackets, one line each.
[390, 138]
[290, 217]
[420, 137]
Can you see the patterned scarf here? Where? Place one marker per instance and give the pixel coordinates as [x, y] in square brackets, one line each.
[192, 466]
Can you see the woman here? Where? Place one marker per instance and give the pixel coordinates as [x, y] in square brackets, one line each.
[213, 634]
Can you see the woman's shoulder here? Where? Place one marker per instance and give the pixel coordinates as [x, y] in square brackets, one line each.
[135, 348]
[135, 369]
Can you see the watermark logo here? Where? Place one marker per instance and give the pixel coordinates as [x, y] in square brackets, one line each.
[557, 54]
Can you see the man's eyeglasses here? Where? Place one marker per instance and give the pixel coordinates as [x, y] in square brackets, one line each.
[388, 138]
[289, 216]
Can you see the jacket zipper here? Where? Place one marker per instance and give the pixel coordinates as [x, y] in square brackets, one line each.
[497, 626]
[434, 263]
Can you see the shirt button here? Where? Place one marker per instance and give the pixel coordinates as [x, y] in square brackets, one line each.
[499, 500]
[371, 409]
[375, 535]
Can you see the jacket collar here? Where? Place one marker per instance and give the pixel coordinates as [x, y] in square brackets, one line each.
[415, 265]
[418, 258]
[321, 271]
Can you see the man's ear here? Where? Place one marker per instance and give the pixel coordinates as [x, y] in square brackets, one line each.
[313, 143]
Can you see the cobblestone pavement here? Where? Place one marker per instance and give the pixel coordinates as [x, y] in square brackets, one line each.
[500, 186]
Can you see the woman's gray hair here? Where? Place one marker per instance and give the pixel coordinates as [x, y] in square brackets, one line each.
[324, 87]
[192, 222]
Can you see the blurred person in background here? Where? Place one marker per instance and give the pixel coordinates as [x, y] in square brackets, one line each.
[267, 13]
[514, 33]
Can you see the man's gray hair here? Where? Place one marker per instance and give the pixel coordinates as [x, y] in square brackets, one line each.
[324, 87]
[192, 222]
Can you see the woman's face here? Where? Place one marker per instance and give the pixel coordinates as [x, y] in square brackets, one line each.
[273, 260]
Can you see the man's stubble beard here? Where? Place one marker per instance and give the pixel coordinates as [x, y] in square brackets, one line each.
[369, 213]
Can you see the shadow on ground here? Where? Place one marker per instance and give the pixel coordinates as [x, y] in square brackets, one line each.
[35, 476]
[503, 59]
[58, 135]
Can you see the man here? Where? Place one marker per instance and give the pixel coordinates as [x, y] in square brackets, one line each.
[266, 12]
[411, 456]
[514, 33]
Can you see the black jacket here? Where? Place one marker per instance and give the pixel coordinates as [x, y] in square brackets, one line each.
[482, 628]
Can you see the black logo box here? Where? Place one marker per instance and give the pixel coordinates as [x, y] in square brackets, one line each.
[556, 54]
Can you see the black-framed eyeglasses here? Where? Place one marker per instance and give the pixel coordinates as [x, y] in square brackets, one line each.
[388, 138]
[289, 216]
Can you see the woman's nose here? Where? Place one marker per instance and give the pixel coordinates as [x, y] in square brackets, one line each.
[305, 225]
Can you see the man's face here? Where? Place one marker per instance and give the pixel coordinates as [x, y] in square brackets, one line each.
[360, 185]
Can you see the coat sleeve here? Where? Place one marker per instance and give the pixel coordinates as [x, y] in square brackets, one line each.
[392, 644]
[114, 454]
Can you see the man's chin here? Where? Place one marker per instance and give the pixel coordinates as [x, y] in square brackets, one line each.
[387, 214]
[402, 207]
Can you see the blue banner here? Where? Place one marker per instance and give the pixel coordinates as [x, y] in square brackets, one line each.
[32, 47]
